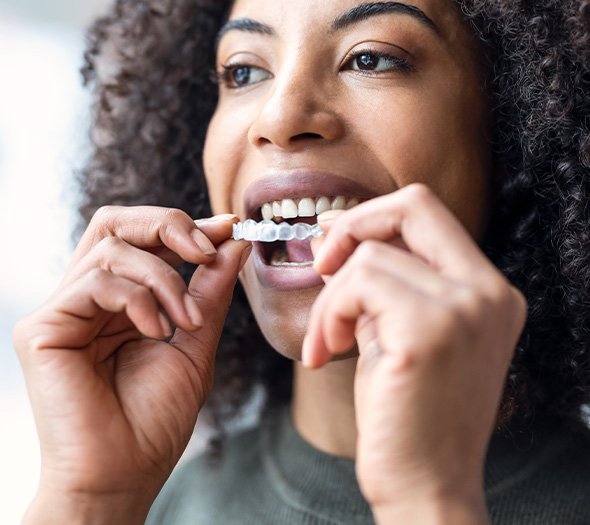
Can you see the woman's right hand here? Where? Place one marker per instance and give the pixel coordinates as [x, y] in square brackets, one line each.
[115, 404]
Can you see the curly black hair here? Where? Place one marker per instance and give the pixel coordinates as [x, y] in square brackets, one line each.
[148, 63]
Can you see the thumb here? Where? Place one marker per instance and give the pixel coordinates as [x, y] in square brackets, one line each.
[211, 287]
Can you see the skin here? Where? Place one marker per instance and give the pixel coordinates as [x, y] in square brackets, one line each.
[411, 310]
[428, 126]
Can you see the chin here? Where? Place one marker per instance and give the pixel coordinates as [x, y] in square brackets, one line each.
[282, 315]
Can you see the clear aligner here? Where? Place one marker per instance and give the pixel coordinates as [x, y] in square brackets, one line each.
[270, 231]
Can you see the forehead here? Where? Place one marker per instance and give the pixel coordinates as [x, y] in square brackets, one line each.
[311, 16]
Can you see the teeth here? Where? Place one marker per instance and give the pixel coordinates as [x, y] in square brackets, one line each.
[267, 213]
[339, 203]
[289, 209]
[306, 207]
[276, 209]
[352, 203]
[322, 205]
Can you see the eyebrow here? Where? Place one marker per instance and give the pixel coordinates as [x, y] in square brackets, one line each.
[247, 25]
[357, 14]
[362, 12]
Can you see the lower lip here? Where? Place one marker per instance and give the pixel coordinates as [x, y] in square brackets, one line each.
[284, 277]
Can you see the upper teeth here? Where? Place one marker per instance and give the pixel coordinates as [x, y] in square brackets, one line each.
[306, 207]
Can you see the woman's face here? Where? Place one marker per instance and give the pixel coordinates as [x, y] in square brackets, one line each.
[340, 98]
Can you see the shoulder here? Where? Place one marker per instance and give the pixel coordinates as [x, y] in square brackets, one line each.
[548, 481]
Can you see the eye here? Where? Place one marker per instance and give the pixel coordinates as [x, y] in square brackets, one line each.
[371, 62]
[242, 75]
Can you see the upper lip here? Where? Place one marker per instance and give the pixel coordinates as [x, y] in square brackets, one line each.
[300, 184]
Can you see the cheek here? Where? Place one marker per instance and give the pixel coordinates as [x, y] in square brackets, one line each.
[221, 158]
[439, 141]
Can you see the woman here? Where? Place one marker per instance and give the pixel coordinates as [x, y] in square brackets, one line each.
[457, 134]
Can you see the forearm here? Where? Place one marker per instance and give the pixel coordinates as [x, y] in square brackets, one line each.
[73, 509]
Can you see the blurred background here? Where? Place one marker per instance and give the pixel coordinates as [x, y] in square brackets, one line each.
[43, 139]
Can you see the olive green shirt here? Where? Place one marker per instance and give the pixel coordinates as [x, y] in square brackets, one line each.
[271, 475]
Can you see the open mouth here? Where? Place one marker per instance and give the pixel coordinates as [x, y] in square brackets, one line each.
[296, 253]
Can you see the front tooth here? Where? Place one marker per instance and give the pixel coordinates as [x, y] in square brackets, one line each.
[306, 208]
[352, 203]
[267, 213]
[322, 205]
[339, 203]
[289, 209]
[276, 209]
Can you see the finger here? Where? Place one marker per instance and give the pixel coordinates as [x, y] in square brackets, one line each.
[328, 218]
[356, 292]
[388, 259]
[150, 228]
[211, 288]
[216, 229]
[116, 256]
[315, 245]
[76, 310]
[416, 215]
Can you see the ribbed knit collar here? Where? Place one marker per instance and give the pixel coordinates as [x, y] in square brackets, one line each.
[311, 480]
[516, 456]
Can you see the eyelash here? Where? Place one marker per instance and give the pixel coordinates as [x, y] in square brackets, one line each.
[402, 65]
[224, 77]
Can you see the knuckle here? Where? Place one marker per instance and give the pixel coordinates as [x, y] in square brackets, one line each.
[418, 192]
[104, 252]
[469, 302]
[98, 275]
[166, 230]
[138, 295]
[20, 331]
[108, 244]
[104, 215]
[172, 215]
[518, 304]
[367, 253]
[344, 229]
[503, 296]
[404, 358]
[167, 274]
[29, 334]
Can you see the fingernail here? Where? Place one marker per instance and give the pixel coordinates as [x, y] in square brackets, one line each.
[305, 353]
[193, 311]
[315, 244]
[203, 242]
[328, 217]
[320, 256]
[225, 217]
[165, 325]
[245, 254]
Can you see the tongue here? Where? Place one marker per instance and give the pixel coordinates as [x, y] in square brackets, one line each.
[299, 251]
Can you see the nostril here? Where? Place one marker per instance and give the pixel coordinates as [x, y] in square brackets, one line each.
[304, 136]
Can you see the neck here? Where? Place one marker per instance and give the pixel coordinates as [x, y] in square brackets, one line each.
[323, 407]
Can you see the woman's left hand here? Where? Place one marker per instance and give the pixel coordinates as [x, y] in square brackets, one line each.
[436, 325]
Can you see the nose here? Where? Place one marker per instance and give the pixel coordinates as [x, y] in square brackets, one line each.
[295, 111]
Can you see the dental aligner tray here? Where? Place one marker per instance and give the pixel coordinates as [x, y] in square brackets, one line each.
[270, 231]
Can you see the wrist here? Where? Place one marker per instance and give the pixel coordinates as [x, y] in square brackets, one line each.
[434, 511]
[51, 507]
